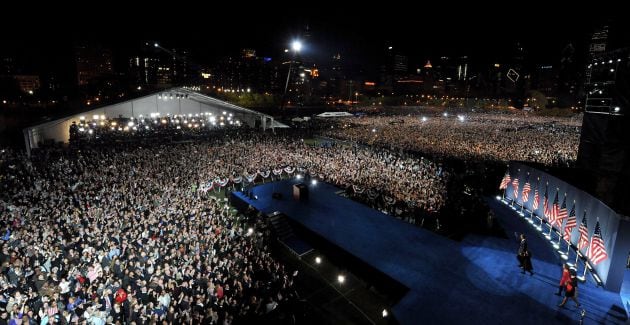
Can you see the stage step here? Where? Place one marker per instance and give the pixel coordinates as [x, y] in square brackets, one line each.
[283, 231]
[281, 226]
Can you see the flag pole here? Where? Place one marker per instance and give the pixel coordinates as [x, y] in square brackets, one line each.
[545, 205]
[518, 171]
[523, 205]
[588, 248]
[585, 269]
[531, 216]
[569, 240]
[577, 255]
[553, 213]
[560, 230]
[505, 188]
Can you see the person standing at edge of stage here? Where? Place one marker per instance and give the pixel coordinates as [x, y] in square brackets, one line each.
[566, 275]
[570, 289]
[522, 248]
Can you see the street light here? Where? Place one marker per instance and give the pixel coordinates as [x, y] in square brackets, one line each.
[296, 46]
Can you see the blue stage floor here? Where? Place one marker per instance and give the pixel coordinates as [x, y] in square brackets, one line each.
[476, 281]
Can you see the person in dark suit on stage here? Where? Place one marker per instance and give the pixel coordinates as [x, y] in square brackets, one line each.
[527, 263]
[522, 248]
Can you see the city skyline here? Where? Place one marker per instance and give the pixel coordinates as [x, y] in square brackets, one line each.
[508, 54]
[359, 34]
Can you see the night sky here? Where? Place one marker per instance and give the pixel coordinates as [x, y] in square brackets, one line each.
[360, 32]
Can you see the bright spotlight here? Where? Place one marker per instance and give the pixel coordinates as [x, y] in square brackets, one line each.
[314, 182]
[498, 197]
[250, 231]
[424, 119]
[296, 46]
[341, 278]
[445, 114]
[385, 313]
[460, 118]
[318, 260]
[617, 109]
[298, 176]
[373, 130]
[155, 44]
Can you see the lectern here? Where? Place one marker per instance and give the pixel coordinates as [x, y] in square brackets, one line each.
[300, 191]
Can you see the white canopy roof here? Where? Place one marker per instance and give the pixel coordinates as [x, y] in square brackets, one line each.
[171, 101]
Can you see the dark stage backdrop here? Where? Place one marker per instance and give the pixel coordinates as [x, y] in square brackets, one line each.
[615, 227]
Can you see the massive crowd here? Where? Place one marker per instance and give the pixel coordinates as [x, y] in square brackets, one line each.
[471, 136]
[123, 225]
[117, 235]
[130, 233]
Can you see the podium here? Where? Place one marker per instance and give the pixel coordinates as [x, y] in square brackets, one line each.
[300, 191]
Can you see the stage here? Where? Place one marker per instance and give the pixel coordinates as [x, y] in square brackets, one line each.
[473, 281]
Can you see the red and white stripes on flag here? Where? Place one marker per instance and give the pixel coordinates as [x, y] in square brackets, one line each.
[583, 241]
[526, 189]
[515, 187]
[562, 213]
[555, 210]
[536, 200]
[571, 223]
[597, 250]
[505, 181]
[546, 211]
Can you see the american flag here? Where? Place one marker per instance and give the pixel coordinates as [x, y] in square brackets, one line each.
[583, 241]
[505, 181]
[571, 223]
[536, 200]
[515, 187]
[562, 214]
[597, 251]
[555, 210]
[546, 211]
[526, 190]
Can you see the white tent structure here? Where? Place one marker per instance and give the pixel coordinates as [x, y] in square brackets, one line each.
[335, 114]
[174, 101]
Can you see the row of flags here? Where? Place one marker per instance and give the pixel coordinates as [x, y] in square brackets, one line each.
[556, 214]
